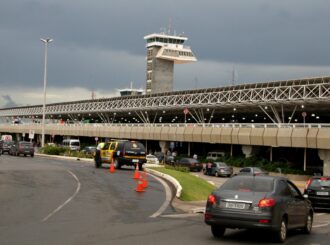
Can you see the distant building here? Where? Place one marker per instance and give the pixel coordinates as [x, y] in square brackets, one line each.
[163, 51]
[130, 91]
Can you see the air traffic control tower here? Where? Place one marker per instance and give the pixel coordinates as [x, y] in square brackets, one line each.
[163, 51]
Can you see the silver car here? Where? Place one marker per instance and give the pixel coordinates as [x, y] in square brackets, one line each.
[219, 169]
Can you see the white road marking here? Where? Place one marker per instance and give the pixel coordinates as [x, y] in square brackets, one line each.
[68, 200]
[319, 214]
[168, 198]
[181, 215]
[321, 225]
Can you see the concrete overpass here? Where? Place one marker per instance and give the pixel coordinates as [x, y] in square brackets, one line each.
[249, 136]
[259, 114]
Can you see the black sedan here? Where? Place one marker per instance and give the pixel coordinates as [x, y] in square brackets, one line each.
[258, 202]
[191, 163]
[318, 192]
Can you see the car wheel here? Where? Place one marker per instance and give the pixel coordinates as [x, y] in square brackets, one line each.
[218, 231]
[117, 164]
[24, 155]
[281, 233]
[140, 167]
[217, 174]
[309, 224]
[32, 155]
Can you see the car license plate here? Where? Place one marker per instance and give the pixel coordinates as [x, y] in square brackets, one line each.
[322, 193]
[235, 205]
[135, 160]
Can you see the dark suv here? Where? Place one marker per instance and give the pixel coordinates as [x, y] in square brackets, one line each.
[22, 147]
[5, 146]
[129, 153]
[122, 152]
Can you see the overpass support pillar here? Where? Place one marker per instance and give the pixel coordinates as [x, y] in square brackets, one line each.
[325, 156]
[18, 136]
[164, 146]
[247, 150]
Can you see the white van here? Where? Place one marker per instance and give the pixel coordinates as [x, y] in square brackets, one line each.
[214, 155]
[73, 144]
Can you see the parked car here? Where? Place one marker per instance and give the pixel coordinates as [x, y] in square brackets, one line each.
[151, 159]
[122, 152]
[5, 146]
[169, 160]
[258, 202]
[214, 155]
[72, 144]
[90, 150]
[252, 171]
[219, 169]
[191, 163]
[318, 192]
[22, 147]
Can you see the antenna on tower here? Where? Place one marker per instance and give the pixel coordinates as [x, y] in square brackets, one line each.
[93, 95]
[169, 26]
[233, 76]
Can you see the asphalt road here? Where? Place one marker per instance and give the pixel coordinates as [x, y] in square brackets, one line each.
[46, 201]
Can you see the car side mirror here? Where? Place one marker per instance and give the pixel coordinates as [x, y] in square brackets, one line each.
[305, 196]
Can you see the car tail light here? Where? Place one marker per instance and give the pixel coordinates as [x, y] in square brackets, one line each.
[211, 199]
[267, 202]
[324, 179]
[208, 216]
[263, 221]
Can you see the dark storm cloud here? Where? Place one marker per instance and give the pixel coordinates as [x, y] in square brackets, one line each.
[8, 101]
[99, 44]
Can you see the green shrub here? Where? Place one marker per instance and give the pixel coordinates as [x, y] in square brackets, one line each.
[240, 161]
[53, 150]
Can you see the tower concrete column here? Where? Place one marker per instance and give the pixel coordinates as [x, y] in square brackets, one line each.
[325, 156]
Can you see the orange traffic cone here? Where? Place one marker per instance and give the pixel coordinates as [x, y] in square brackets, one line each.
[136, 173]
[112, 167]
[144, 180]
[139, 187]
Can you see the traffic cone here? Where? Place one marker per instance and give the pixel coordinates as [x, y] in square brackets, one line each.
[112, 167]
[144, 180]
[136, 173]
[139, 186]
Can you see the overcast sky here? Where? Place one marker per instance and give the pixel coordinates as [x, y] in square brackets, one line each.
[98, 44]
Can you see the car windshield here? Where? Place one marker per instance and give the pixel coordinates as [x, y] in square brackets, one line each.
[247, 184]
[321, 182]
[75, 143]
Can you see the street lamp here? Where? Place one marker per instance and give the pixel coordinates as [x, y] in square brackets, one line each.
[45, 41]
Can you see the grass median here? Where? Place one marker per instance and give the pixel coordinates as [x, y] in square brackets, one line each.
[193, 188]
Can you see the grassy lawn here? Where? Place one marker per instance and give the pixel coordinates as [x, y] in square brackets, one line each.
[193, 188]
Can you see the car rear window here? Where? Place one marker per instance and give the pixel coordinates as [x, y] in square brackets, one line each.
[321, 182]
[247, 184]
[26, 144]
[132, 146]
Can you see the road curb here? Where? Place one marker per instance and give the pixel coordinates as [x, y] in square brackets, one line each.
[176, 183]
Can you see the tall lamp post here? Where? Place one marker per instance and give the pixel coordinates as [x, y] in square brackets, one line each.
[45, 41]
